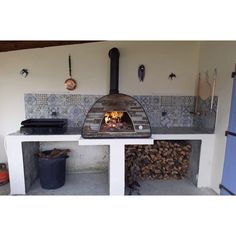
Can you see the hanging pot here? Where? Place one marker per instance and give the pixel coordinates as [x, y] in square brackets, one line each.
[70, 83]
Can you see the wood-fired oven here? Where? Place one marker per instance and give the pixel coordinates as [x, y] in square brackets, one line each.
[116, 115]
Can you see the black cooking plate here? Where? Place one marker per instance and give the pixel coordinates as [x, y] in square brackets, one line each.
[44, 122]
[44, 126]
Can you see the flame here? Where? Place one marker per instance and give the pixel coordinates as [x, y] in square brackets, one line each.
[113, 116]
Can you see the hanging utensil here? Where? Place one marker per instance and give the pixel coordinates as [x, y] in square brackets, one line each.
[205, 88]
[213, 87]
[70, 83]
[196, 112]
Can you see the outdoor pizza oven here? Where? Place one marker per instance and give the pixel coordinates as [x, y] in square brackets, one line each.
[116, 115]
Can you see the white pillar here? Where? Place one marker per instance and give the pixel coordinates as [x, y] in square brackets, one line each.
[206, 160]
[117, 169]
[15, 165]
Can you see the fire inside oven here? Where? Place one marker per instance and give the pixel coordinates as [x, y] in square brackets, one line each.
[116, 121]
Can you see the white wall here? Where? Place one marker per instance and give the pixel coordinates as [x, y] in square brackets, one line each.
[220, 55]
[48, 69]
[82, 158]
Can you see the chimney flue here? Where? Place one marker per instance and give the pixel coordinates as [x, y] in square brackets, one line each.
[114, 55]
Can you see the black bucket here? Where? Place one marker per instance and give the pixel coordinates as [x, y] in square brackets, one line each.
[52, 172]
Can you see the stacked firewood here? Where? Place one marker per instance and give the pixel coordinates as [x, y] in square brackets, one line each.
[54, 153]
[163, 160]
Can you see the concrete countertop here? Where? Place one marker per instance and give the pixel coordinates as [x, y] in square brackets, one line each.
[180, 130]
[154, 130]
[161, 130]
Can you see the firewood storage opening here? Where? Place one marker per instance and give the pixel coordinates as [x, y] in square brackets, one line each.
[168, 167]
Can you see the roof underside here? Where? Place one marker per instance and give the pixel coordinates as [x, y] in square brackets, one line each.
[18, 45]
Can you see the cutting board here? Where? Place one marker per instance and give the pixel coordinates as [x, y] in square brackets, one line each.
[205, 89]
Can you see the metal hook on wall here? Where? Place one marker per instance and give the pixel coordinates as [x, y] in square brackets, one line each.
[24, 73]
[171, 76]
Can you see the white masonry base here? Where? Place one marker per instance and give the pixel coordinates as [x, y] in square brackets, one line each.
[117, 156]
[116, 160]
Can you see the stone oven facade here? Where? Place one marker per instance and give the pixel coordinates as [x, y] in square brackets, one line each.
[116, 115]
[135, 124]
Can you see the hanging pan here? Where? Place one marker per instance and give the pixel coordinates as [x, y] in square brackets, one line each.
[70, 83]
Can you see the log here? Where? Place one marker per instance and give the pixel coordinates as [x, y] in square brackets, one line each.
[163, 160]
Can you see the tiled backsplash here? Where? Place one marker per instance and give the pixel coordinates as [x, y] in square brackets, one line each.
[162, 111]
[207, 118]
[73, 107]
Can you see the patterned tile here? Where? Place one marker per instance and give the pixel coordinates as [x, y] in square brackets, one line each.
[177, 100]
[41, 98]
[74, 107]
[154, 119]
[30, 99]
[167, 121]
[145, 100]
[53, 111]
[188, 100]
[215, 102]
[187, 122]
[166, 100]
[156, 100]
[186, 111]
[197, 122]
[176, 111]
[52, 99]
[210, 120]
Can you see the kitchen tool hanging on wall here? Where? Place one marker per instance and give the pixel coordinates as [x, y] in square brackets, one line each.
[70, 83]
[196, 108]
[213, 87]
[205, 90]
[141, 73]
[205, 87]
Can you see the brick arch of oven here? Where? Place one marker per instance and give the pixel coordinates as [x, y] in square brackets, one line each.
[116, 102]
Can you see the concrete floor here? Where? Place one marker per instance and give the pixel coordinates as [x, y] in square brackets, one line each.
[5, 189]
[97, 184]
[170, 187]
[76, 184]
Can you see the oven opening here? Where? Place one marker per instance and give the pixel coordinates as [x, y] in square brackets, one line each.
[116, 121]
